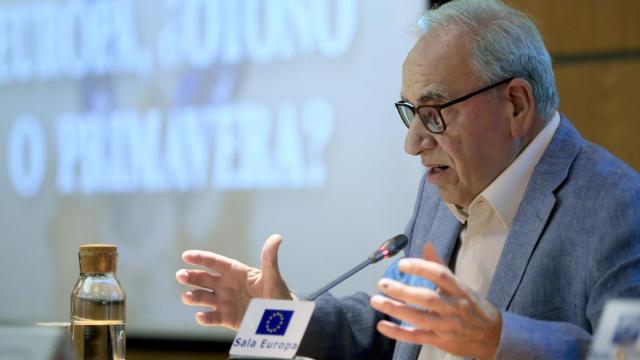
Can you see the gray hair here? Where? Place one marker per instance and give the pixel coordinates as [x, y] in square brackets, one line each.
[504, 43]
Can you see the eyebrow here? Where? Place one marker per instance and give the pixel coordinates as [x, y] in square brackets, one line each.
[432, 94]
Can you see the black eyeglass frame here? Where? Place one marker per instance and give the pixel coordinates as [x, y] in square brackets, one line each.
[441, 127]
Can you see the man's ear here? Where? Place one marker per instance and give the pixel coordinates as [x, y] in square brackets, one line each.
[521, 109]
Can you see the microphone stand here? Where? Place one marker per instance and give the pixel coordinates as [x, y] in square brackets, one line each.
[388, 249]
[339, 280]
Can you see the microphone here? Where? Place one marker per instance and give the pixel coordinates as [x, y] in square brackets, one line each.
[388, 249]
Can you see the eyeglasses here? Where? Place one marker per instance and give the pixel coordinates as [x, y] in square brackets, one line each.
[431, 115]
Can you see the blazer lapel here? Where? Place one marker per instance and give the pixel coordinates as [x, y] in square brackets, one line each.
[443, 233]
[533, 213]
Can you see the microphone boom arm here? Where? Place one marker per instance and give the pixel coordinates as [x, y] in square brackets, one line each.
[388, 249]
[340, 279]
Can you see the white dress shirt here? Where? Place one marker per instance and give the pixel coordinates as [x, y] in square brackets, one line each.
[488, 220]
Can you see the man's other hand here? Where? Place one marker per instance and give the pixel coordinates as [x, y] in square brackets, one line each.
[228, 285]
[453, 318]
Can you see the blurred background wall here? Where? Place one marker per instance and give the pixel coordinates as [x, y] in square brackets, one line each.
[595, 46]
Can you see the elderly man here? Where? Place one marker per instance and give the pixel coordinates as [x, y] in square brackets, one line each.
[522, 230]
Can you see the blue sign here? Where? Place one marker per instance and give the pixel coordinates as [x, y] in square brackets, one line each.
[274, 322]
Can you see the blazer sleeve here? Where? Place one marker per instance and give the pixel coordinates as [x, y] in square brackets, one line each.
[345, 329]
[526, 338]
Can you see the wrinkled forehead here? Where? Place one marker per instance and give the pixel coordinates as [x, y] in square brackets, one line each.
[440, 63]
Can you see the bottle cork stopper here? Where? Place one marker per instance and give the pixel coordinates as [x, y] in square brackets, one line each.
[98, 258]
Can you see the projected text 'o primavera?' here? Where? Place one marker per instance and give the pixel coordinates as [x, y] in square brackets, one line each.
[235, 146]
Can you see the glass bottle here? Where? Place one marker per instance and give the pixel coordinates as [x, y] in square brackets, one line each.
[98, 306]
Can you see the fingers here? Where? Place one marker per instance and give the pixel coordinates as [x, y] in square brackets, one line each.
[213, 261]
[200, 297]
[465, 301]
[198, 278]
[397, 309]
[439, 274]
[269, 255]
[423, 319]
[473, 343]
[423, 297]
[223, 311]
[209, 318]
[410, 335]
[182, 276]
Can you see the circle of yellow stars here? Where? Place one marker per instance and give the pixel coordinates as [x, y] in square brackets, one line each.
[280, 322]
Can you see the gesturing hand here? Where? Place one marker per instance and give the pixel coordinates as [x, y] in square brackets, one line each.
[453, 318]
[230, 285]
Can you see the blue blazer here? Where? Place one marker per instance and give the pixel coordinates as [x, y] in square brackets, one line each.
[573, 245]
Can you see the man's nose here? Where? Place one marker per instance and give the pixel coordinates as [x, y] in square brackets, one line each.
[418, 139]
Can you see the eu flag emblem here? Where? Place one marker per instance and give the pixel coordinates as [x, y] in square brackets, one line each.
[274, 322]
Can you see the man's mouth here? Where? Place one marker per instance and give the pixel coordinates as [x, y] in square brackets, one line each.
[436, 169]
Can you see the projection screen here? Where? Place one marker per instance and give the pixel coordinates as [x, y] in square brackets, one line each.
[162, 126]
